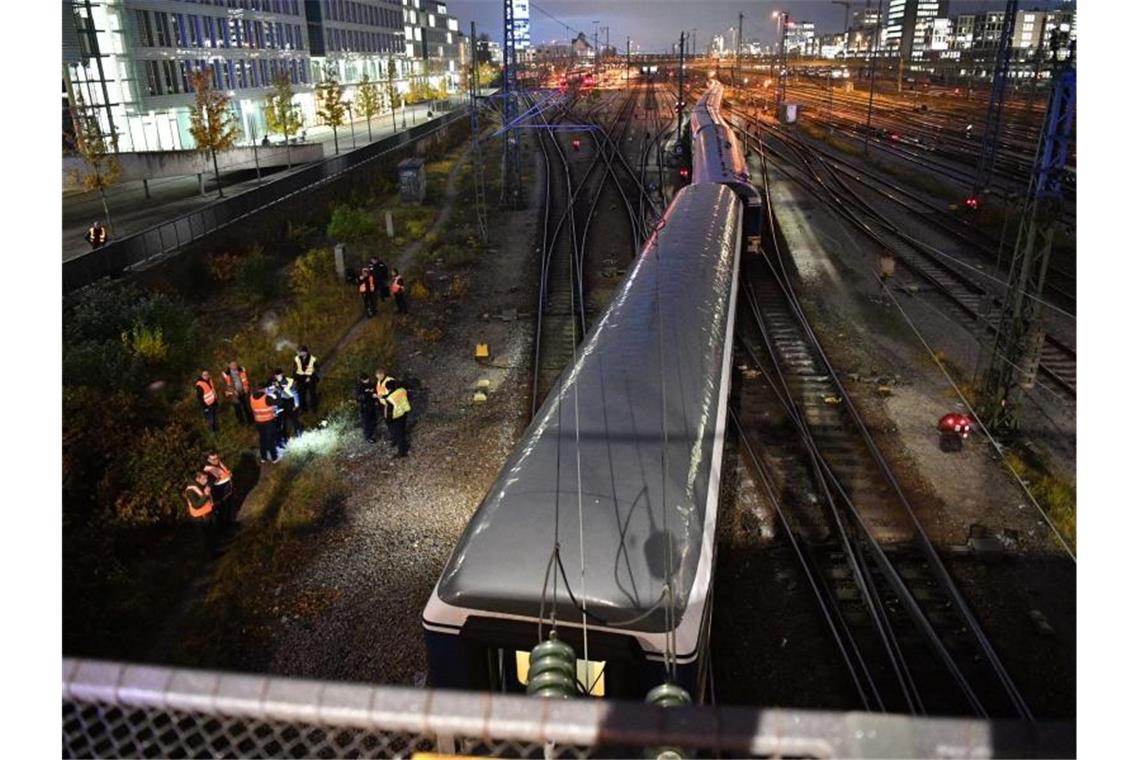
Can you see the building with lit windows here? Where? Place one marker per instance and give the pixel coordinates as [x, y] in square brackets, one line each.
[131, 60]
[907, 23]
[354, 38]
[800, 38]
[431, 44]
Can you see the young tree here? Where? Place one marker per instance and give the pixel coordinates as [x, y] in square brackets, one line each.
[212, 125]
[392, 93]
[96, 150]
[487, 74]
[368, 101]
[281, 116]
[330, 106]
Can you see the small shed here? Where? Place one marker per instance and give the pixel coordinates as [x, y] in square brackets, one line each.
[788, 112]
[413, 180]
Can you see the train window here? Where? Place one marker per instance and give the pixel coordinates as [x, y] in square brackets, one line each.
[591, 673]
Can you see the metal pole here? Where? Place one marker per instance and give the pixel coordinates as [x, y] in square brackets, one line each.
[739, 35]
[680, 89]
[871, 96]
[627, 61]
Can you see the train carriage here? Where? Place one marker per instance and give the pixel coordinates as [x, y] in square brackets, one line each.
[625, 454]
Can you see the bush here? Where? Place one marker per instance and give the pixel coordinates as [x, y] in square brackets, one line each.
[351, 224]
[147, 343]
[160, 464]
[222, 267]
[257, 277]
[104, 311]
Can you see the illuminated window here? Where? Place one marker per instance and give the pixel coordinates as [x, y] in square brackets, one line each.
[590, 672]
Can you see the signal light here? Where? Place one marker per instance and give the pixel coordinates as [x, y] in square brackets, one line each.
[972, 203]
[576, 142]
[684, 172]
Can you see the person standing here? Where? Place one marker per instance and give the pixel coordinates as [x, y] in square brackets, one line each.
[380, 272]
[208, 398]
[265, 418]
[200, 502]
[237, 390]
[394, 401]
[367, 406]
[397, 288]
[221, 488]
[366, 284]
[96, 235]
[305, 373]
[285, 391]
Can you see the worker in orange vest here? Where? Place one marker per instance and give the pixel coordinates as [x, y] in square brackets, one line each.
[96, 235]
[221, 487]
[366, 284]
[394, 402]
[208, 398]
[200, 502]
[398, 293]
[265, 419]
[237, 390]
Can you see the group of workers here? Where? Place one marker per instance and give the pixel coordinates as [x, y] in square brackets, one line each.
[209, 499]
[384, 396]
[274, 406]
[376, 278]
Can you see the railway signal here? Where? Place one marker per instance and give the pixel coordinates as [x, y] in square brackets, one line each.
[577, 143]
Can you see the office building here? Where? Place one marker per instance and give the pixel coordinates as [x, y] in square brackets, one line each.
[431, 46]
[907, 23]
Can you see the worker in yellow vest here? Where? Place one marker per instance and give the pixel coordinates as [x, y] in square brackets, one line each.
[396, 405]
[305, 373]
[208, 398]
[221, 487]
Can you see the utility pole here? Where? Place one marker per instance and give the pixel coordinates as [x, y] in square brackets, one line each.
[739, 34]
[1016, 353]
[511, 193]
[992, 136]
[680, 89]
[476, 151]
[871, 95]
[782, 61]
[596, 53]
[627, 61]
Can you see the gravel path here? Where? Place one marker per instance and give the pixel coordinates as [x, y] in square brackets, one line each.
[373, 573]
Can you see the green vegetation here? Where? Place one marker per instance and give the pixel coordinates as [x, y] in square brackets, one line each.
[1056, 494]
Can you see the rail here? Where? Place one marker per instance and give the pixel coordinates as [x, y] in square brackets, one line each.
[118, 710]
[155, 243]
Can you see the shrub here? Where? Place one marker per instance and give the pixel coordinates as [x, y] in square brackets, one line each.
[351, 224]
[222, 267]
[257, 277]
[159, 466]
[104, 311]
[416, 229]
[146, 343]
[457, 288]
[419, 291]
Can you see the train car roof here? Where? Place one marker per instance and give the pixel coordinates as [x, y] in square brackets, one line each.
[640, 412]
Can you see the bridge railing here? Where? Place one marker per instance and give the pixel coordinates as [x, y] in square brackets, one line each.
[153, 244]
[116, 710]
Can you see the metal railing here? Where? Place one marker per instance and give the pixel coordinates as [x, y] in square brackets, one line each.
[148, 246]
[120, 710]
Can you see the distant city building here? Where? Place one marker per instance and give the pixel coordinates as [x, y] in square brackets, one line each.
[488, 50]
[354, 39]
[907, 23]
[521, 10]
[800, 37]
[716, 49]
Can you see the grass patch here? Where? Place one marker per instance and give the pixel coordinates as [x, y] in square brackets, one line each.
[1056, 494]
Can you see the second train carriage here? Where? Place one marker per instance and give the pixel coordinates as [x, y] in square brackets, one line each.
[626, 451]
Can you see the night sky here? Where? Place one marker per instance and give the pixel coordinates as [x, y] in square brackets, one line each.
[656, 24]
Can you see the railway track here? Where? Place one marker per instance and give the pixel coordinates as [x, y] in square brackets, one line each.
[568, 258]
[907, 636]
[974, 300]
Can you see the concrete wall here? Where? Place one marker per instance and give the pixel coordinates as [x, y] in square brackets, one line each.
[182, 163]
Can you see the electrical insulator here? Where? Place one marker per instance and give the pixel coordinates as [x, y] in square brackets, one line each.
[667, 695]
[552, 670]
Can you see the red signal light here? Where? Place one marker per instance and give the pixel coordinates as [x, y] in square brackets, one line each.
[576, 142]
[684, 172]
[972, 202]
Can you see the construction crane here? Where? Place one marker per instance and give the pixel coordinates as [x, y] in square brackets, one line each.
[1016, 353]
[992, 135]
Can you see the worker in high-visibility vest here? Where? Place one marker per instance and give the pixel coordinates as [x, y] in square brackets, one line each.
[221, 487]
[396, 405]
[305, 373]
[96, 235]
[208, 398]
[237, 391]
[288, 400]
[265, 419]
[398, 292]
[366, 284]
[200, 502]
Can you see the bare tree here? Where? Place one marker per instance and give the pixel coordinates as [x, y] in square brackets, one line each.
[212, 125]
[281, 116]
[98, 151]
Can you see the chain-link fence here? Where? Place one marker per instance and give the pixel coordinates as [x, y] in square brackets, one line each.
[166, 238]
[120, 710]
